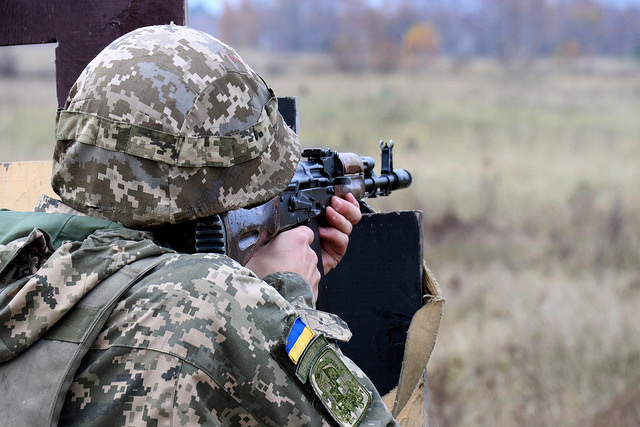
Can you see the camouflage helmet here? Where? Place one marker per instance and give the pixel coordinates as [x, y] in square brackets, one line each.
[168, 124]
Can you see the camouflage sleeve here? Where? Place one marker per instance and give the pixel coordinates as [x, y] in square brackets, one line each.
[293, 287]
[199, 341]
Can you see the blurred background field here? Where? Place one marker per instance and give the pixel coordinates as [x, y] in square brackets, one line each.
[527, 171]
[528, 177]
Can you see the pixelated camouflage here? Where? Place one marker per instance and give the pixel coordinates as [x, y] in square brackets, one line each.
[168, 124]
[45, 284]
[186, 364]
[197, 341]
[329, 324]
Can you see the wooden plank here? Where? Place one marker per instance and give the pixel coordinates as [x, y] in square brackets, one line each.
[22, 184]
[27, 22]
[288, 108]
[82, 28]
[85, 27]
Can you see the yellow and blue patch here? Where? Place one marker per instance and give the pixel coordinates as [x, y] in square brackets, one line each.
[340, 392]
[299, 338]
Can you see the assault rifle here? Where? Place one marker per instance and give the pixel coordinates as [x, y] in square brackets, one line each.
[325, 173]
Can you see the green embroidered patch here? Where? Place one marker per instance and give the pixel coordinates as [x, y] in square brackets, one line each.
[341, 393]
[309, 356]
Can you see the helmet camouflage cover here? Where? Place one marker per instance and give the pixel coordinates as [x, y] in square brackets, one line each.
[168, 124]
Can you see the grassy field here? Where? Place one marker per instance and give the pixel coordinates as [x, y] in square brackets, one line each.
[27, 103]
[528, 177]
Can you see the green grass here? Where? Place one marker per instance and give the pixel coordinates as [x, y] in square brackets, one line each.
[528, 179]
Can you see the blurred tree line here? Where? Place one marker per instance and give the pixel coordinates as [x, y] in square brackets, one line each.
[384, 34]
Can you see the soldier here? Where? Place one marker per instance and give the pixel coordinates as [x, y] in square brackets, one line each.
[165, 126]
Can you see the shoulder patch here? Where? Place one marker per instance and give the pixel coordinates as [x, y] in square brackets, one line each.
[341, 393]
[317, 363]
[299, 338]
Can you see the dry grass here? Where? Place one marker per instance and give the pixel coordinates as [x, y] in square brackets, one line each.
[28, 103]
[528, 178]
[529, 181]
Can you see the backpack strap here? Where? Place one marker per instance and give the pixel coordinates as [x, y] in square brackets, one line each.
[35, 382]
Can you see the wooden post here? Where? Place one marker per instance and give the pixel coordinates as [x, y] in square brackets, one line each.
[82, 28]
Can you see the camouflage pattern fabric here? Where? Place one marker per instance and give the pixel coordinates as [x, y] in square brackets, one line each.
[39, 286]
[168, 124]
[198, 341]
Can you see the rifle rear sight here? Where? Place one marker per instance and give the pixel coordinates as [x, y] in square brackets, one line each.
[325, 167]
[325, 173]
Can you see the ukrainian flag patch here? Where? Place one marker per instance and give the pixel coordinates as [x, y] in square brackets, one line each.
[299, 338]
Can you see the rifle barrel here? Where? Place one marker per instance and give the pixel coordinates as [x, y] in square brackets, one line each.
[384, 184]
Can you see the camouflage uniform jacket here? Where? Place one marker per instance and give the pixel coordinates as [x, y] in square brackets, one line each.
[198, 341]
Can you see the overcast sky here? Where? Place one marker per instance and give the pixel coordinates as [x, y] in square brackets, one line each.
[215, 6]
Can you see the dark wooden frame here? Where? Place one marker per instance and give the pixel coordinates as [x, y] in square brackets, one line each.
[82, 28]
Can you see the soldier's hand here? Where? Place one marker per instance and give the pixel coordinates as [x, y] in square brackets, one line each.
[342, 215]
[288, 251]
